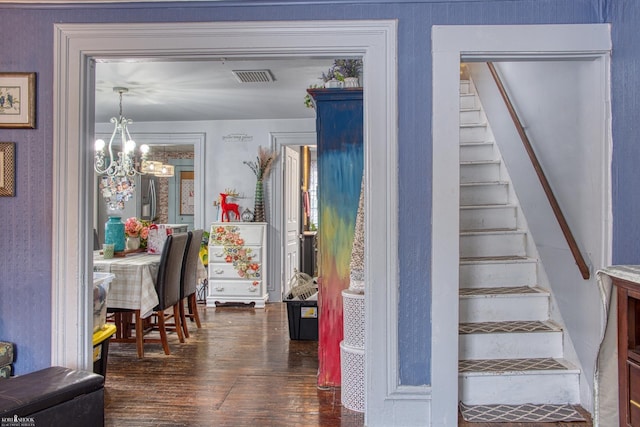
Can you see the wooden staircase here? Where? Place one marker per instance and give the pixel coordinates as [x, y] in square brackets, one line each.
[510, 351]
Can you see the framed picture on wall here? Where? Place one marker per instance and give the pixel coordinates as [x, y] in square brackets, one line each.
[18, 100]
[187, 188]
[7, 169]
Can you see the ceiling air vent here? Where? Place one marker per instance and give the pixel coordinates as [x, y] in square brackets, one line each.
[253, 76]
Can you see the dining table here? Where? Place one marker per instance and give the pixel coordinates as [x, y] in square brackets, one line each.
[133, 286]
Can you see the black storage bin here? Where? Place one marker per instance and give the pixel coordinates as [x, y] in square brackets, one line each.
[303, 320]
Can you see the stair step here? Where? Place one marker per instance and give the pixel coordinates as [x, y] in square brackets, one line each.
[471, 115]
[488, 217]
[479, 171]
[492, 243]
[477, 151]
[497, 272]
[515, 339]
[473, 132]
[484, 193]
[465, 86]
[520, 303]
[468, 101]
[516, 381]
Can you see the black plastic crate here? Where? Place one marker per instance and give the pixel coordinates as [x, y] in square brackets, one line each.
[303, 320]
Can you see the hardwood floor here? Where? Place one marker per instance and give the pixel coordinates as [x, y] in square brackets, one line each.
[239, 369]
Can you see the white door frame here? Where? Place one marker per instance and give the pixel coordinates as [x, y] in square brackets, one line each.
[76, 46]
[277, 239]
[450, 44]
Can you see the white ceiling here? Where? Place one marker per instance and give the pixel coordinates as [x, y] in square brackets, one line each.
[205, 89]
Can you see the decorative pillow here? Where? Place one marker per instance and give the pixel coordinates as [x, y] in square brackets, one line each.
[5, 371]
[6, 353]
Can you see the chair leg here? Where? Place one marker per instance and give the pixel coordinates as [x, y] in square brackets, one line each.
[163, 333]
[183, 319]
[193, 310]
[139, 335]
[176, 317]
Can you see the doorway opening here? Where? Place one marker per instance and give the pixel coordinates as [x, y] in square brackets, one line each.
[375, 41]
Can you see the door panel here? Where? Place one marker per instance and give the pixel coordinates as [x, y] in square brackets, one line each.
[292, 214]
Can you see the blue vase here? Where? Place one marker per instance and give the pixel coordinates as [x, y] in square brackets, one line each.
[114, 233]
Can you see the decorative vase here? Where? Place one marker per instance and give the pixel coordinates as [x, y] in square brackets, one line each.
[133, 243]
[114, 233]
[351, 82]
[258, 209]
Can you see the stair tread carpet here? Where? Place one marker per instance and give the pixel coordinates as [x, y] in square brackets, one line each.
[520, 413]
[510, 365]
[506, 327]
[467, 292]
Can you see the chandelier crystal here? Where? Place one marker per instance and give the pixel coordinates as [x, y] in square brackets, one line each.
[123, 163]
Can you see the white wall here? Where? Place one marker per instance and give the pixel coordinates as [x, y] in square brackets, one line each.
[563, 109]
[224, 166]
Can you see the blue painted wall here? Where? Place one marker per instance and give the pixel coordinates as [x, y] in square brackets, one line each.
[26, 44]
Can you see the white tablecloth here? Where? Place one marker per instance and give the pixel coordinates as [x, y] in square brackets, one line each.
[134, 284]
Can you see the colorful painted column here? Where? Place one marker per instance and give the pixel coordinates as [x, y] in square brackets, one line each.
[339, 127]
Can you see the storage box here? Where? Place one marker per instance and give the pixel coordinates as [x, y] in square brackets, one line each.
[101, 282]
[101, 348]
[303, 320]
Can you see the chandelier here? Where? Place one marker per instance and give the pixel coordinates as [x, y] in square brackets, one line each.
[124, 162]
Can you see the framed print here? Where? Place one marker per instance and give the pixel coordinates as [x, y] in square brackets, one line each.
[186, 193]
[7, 169]
[18, 100]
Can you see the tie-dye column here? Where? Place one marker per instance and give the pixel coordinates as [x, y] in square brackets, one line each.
[339, 124]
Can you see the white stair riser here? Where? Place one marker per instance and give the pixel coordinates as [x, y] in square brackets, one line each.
[484, 194]
[468, 117]
[473, 133]
[492, 244]
[488, 218]
[491, 274]
[513, 345]
[479, 172]
[468, 101]
[465, 87]
[545, 387]
[477, 151]
[503, 308]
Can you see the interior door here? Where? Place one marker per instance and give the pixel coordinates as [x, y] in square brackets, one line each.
[291, 214]
[182, 193]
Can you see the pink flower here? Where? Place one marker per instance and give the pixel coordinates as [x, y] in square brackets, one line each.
[132, 227]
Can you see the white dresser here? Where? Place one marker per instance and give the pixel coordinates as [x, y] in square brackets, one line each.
[237, 263]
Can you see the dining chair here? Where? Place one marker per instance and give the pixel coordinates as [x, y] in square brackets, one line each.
[168, 284]
[189, 281]
[167, 287]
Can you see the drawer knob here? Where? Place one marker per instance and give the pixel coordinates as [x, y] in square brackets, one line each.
[218, 254]
[219, 289]
[219, 271]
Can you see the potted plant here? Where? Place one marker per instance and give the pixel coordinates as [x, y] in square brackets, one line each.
[348, 70]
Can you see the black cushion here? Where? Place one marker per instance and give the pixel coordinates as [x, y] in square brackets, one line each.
[30, 393]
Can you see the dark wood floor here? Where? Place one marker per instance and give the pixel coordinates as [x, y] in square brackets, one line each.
[239, 369]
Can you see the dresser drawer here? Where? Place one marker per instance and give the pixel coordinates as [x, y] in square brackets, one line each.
[220, 254]
[234, 287]
[234, 234]
[238, 271]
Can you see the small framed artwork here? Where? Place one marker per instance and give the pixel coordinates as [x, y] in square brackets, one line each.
[7, 169]
[18, 100]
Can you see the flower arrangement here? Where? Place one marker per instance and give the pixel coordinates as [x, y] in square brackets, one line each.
[235, 252]
[262, 166]
[134, 227]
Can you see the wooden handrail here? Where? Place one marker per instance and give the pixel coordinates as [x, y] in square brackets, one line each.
[573, 246]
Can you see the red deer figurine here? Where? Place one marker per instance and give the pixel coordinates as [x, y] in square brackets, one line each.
[228, 207]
